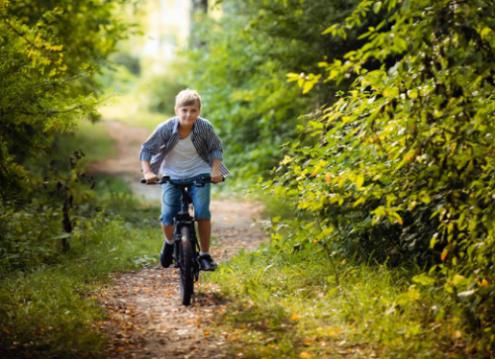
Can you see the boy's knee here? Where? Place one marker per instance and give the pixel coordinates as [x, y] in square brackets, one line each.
[202, 213]
[170, 204]
[167, 218]
[201, 199]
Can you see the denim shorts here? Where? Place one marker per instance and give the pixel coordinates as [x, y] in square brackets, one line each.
[200, 196]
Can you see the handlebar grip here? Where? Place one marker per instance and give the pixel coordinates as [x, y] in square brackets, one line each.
[162, 180]
[143, 181]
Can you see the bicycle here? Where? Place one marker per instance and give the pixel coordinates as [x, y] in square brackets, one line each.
[186, 246]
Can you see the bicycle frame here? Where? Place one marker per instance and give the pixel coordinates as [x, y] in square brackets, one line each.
[182, 219]
[186, 246]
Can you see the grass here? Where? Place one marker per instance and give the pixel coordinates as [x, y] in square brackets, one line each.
[90, 138]
[282, 304]
[127, 108]
[50, 311]
[296, 305]
[94, 140]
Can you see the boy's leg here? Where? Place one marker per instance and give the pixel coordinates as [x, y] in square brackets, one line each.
[170, 202]
[201, 201]
[168, 231]
[170, 207]
[204, 227]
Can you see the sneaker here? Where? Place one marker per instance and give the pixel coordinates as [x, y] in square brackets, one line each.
[166, 254]
[207, 263]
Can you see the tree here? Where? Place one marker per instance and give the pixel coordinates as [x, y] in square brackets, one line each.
[50, 52]
[241, 72]
[403, 165]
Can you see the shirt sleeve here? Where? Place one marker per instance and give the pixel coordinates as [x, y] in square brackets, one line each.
[214, 144]
[154, 143]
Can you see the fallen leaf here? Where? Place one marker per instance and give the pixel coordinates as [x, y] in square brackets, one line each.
[444, 254]
[308, 341]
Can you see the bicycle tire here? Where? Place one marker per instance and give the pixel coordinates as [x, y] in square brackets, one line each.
[186, 266]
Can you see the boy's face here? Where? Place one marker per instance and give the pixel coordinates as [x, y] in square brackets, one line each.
[188, 114]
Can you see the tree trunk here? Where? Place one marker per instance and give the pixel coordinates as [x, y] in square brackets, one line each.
[200, 5]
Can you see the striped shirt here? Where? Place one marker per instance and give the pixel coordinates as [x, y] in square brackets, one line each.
[166, 136]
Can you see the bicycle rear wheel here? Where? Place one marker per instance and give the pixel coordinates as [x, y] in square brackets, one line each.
[186, 266]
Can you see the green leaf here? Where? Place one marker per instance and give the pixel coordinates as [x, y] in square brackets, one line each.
[391, 92]
[359, 181]
[377, 5]
[485, 32]
[423, 279]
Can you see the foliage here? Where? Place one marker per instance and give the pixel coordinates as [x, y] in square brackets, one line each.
[241, 70]
[47, 308]
[402, 164]
[50, 312]
[90, 139]
[287, 304]
[129, 61]
[50, 52]
[160, 93]
[29, 246]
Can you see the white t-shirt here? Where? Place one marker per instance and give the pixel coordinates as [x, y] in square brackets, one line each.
[183, 161]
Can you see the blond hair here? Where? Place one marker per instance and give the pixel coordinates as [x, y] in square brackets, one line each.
[187, 97]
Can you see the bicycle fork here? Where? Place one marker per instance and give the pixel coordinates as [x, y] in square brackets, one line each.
[195, 244]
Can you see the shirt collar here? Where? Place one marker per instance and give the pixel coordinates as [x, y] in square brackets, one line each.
[176, 125]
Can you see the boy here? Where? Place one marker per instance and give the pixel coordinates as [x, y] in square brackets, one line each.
[184, 147]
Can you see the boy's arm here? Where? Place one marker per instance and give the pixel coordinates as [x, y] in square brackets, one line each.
[148, 173]
[214, 144]
[156, 140]
[216, 156]
[151, 147]
[216, 174]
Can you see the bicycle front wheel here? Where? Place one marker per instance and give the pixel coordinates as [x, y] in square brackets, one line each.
[186, 264]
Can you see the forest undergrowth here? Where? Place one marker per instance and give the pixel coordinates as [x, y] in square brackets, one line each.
[293, 300]
[48, 308]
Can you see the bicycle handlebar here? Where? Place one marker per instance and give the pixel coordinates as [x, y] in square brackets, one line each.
[165, 179]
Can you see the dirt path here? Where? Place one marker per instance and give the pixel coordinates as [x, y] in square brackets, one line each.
[128, 141]
[146, 319]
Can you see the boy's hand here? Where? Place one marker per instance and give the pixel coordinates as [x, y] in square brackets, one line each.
[150, 177]
[216, 179]
[216, 174]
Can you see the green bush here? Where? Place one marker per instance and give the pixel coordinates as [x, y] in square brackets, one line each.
[241, 69]
[401, 166]
[51, 52]
[50, 311]
[29, 236]
[297, 304]
[47, 307]
[161, 91]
